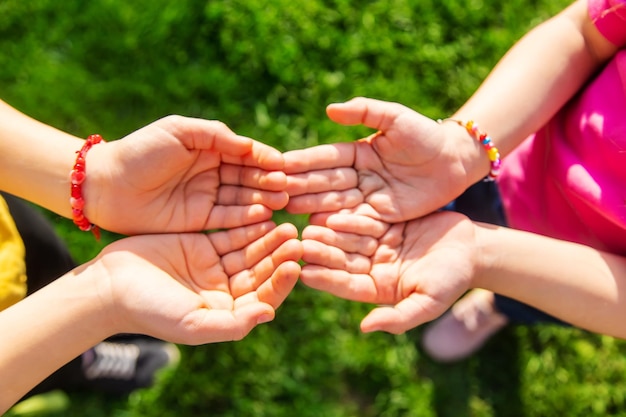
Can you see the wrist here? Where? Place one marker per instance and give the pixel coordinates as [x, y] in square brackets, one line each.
[78, 177]
[93, 286]
[48, 329]
[475, 167]
[487, 253]
[469, 153]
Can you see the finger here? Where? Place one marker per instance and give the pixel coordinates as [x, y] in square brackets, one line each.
[319, 157]
[260, 155]
[317, 253]
[250, 279]
[275, 290]
[369, 112]
[253, 177]
[329, 201]
[226, 217]
[365, 210]
[233, 239]
[321, 219]
[348, 242]
[355, 287]
[205, 134]
[262, 248]
[216, 325]
[242, 196]
[351, 223]
[337, 179]
[407, 314]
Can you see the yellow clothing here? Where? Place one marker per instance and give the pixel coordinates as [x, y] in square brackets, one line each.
[12, 264]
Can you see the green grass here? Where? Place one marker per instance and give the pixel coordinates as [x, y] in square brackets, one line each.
[268, 69]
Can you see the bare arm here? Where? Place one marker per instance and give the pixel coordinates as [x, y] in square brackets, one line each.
[184, 174]
[576, 283]
[416, 270]
[414, 166]
[46, 330]
[36, 160]
[188, 288]
[537, 76]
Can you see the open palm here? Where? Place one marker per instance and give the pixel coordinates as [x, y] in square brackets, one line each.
[405, 170]
[405, 268]
[196, 288]
[181, 174]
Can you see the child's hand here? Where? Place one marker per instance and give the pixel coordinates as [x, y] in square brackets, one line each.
[414, 270]
[196, 288]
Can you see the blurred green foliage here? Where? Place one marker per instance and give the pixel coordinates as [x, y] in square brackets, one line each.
[268, 69]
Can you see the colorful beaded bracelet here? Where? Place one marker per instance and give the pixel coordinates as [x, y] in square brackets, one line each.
[77, 177]
[483, 138]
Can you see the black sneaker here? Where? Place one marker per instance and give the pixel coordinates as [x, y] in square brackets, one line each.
[122, 366]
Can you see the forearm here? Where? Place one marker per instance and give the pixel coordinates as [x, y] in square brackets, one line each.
[575, 283]
[36, 160]
[536, 77]
[46, 330]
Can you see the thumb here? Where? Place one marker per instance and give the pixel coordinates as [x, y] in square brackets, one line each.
[196, 133]
[407, 314]
[369, 112]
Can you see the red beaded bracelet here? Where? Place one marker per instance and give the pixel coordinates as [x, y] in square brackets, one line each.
[77, 176]
[492, 152]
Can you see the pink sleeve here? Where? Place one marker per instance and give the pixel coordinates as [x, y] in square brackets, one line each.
[609, 16]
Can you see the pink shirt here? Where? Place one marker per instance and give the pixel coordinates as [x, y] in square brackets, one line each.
[568, 180]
